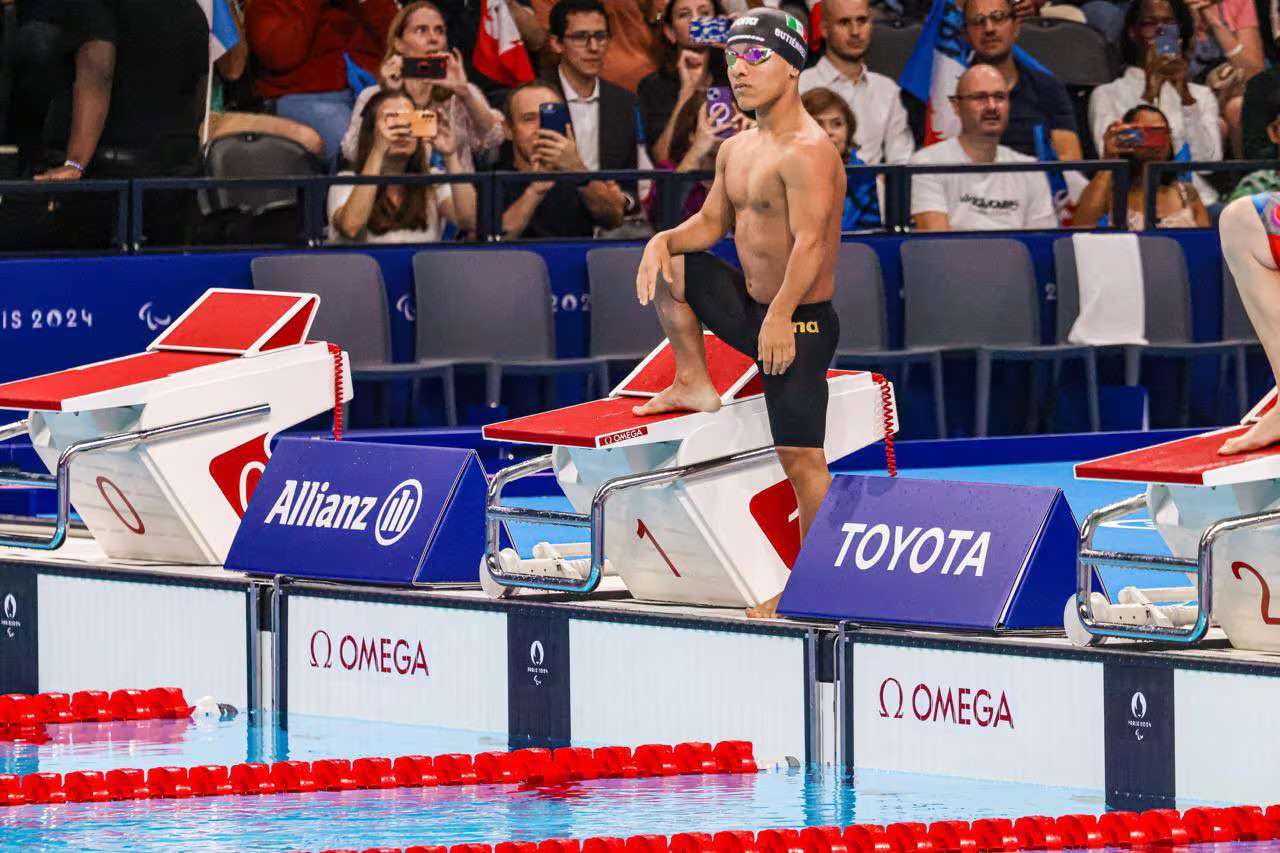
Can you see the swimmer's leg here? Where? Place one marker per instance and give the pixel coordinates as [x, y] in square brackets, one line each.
[806, 468]
[692, 389]
[1247, 251]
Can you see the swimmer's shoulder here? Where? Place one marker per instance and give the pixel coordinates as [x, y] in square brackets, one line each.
[811, 148]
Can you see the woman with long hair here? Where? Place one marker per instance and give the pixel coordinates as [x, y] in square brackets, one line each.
[397, 213]
[1141, 136]
[417, 32]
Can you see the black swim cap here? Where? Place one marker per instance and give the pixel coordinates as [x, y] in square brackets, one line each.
[771, 28]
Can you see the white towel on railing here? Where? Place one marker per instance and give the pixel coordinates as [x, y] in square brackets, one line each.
[1109, 273]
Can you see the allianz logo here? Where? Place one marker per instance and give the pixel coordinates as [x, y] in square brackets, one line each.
[309, 503]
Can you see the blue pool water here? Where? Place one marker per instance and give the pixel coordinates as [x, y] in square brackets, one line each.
[488, 814]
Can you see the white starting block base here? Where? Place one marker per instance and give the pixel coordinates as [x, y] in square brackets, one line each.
[1189, 488]
[722, 537]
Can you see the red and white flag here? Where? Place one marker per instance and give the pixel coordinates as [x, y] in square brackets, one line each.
[499, 52]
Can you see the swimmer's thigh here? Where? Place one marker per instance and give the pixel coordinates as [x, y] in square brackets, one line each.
[797, 398]
[717, 293]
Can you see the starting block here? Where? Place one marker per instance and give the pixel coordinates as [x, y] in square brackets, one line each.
[687, 507]
[1220, 517]
[162, 449]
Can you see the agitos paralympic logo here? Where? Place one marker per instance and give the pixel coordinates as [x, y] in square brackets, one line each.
[962, 706]
[386, 655]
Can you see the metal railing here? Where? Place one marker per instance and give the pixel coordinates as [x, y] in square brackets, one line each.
[128, 232]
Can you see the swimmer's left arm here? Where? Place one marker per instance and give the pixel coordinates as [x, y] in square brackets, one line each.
[813, 180]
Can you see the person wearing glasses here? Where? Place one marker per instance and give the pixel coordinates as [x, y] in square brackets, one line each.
[778, 186]
[603, 114]
[1156, 37]
[979, 201]
[1036, 97]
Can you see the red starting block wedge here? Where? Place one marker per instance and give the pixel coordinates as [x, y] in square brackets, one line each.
[89, 706]
[128, 784]
[604, 845]
[735, 841]
[735, 756]
[210, 780]
[86, 786]
[615, 762]
[11, 790]
[647, 844]
[690, 842]
[53, 708]
[18, 709]
[169, 782]
[43, 788]
[415, 771]
[824, 839]
[455, 769]
[334, 774]
[251, 778]
[696, 758]
[656, 759]
[374, 773]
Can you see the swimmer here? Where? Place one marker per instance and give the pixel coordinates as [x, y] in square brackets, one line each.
[1250, 231]
[779, 186]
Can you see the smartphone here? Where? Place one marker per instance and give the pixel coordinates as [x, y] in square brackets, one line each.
[1145, 137]
[709, 30]
[554, 116]
[1167, 40]
[423, 124]
[424, 68]
[720, 108]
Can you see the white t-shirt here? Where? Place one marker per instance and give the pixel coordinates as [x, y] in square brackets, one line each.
[982, 202]
[440, 193]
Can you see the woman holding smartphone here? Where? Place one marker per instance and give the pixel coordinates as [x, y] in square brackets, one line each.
[1141, 137]
[418, 34]
[396, 213]
[1154, 44]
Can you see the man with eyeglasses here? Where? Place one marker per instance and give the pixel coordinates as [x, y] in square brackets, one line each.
[1036, 98]
[980, 201]
[778, 186]
[603, 114]
[884, 136]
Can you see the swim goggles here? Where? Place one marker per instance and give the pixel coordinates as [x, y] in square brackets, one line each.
[750, 55]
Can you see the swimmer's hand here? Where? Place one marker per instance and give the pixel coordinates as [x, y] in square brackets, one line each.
[777, 344]
[656, 259]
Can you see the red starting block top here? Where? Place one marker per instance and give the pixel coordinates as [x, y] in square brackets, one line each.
[241, 322]
[729, 370]
[53, 391]
[1190, 461]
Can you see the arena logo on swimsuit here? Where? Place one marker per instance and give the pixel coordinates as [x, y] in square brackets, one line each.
[922, 547]
[308, 503]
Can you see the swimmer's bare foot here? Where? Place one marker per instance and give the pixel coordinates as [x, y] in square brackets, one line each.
[1262, 434]
[681, 397]
[765, 609]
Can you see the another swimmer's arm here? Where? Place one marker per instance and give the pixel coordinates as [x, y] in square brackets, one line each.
[705, 228]
[813, 179]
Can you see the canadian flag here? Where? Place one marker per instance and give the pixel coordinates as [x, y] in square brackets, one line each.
[499, 52]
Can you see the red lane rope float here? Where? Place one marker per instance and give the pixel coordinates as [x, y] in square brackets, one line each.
[19, 710]
[336, 352]
[532, 767]
[886, 412]
[1164, 827]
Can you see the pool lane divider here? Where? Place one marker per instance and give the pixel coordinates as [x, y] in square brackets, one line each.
[1157, 827]
[21, 713]
[538, 768]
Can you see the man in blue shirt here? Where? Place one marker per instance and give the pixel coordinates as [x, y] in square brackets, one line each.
[1036, 98]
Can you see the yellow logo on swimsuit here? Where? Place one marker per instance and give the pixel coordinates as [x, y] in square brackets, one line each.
[801, 327]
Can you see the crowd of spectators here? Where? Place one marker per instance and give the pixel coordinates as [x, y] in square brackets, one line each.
[123, 88]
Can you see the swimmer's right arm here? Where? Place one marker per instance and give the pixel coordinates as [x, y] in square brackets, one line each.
[697, 233]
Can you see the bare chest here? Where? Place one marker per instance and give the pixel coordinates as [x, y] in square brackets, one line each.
[754, 183]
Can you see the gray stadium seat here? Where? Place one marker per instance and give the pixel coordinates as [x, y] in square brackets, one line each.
[353, 314]
[891, 46]
[980, 294]
[1077, 54]
[1167, 305]
[864, 326]
[490, 308]
[1238, 331]
[254, 155]
[622, 330]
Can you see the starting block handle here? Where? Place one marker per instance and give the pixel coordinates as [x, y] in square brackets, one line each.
[62, 477]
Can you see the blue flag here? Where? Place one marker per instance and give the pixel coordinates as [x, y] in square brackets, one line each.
[861, 210]
[357, 78]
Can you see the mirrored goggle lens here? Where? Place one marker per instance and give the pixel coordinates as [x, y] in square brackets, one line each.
[750, 55]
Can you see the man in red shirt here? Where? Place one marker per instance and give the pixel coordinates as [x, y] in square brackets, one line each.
[300, 44]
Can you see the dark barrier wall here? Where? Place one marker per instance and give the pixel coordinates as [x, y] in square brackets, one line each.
[57, 313]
